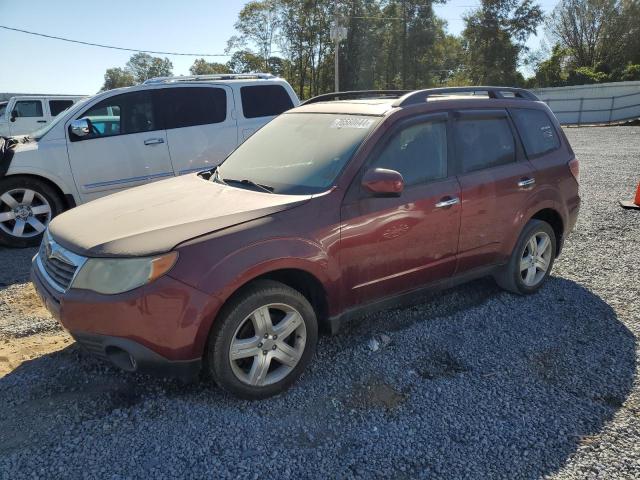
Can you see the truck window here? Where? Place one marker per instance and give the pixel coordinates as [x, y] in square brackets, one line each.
[29, 108]
[190, 106]
[122, 114]
[57, 106]
[264, 100]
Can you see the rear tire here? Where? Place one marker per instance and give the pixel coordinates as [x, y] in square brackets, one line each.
[27, 205]
[531, 260]
[262, 341]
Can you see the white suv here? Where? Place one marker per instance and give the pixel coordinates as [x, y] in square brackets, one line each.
[131, 136]
[24, 114]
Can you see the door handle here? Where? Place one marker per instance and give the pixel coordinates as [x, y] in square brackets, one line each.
[153, 141]
[41, 121]
[526, 182]
[447, 202]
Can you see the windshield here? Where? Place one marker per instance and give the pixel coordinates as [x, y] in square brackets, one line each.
[38, 134]
[3, 108]
[298, 153]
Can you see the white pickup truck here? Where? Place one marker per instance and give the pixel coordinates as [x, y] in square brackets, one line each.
[128, 137]
[22, 115]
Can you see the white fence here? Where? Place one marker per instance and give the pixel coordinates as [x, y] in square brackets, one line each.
[603, 103]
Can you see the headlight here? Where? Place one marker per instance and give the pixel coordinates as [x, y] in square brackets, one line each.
[118, 275]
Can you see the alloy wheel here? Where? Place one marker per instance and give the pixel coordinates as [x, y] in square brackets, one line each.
[536, 258]
[268, 344]
[24, 212]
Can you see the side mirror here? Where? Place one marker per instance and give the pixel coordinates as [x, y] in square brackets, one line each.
[14, 115]
[383, 182]
[80, 127]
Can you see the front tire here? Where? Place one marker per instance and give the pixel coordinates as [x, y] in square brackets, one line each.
[531, 260]
[27, 205]
[262, 341]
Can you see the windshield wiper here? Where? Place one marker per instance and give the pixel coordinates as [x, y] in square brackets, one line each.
[217, 177]
[214, 175]
[244, 181]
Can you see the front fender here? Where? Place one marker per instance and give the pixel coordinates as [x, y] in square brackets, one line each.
[247, 263]
[241, 266]
[47, 160]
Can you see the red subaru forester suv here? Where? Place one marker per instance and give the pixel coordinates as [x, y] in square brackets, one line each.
[350, 203]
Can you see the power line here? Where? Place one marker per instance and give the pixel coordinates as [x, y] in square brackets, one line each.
[114, 48]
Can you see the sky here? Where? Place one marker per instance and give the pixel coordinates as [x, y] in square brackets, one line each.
[40, 65]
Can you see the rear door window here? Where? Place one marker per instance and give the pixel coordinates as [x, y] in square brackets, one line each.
[483, 141]
[29, 108]
[264, 100]
[190, 106]
[536, 130]
[57, 106]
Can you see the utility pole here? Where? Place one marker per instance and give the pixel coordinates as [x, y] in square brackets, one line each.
[337, 34]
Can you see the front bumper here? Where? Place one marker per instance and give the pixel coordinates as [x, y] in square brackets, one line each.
[160, 328]
[134, 357]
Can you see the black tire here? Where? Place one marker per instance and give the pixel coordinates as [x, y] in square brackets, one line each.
[235, 316]
[30, 237]
[510, 277]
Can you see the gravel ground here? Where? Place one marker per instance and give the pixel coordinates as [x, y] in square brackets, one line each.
[474, 383]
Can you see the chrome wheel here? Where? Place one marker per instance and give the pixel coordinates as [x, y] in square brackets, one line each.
[536, 258]
[268, 344]
[24, 212]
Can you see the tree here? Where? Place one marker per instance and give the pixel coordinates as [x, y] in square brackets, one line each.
[116, 78]
[143, 66]
[586, 28]
[244, 61]
[494, 38]
[552, 71]
[202, 67]
[258, 24]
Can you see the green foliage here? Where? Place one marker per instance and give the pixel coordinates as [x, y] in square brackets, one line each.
[586, 76]
[140, 67]
[551, 72]
[143, 66]
[202, 67]
[117, 78]
[599, 41]
[631, 72]
[244, 61]
[494, 38]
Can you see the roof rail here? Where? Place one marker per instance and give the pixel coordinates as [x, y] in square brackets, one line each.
[356, 94]
[420, 96]
[204, 78]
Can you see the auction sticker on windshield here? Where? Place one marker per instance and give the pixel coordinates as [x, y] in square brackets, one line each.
[352, 122]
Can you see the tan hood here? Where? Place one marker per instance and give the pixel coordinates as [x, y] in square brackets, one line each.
[154, 218]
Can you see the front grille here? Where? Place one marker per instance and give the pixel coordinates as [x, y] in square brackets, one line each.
[57, 264]
[61, 272]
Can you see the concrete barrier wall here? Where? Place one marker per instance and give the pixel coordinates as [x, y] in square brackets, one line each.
[603, 103]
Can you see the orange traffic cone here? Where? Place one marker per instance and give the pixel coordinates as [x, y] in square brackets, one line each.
[632, 204]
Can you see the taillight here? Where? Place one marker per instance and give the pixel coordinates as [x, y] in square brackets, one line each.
[574, 166]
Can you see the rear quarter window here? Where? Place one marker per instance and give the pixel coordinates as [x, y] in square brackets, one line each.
[536, 130]
[264, 100]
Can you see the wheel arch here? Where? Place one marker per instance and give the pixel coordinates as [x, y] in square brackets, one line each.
[302, 280]
[553, 218]
[67, 198]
